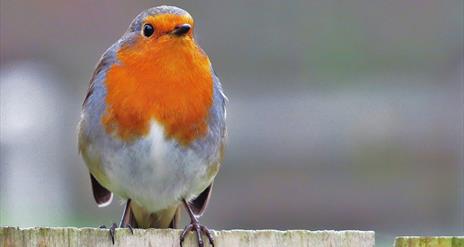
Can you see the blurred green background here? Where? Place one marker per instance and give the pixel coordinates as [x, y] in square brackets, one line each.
[342, 114]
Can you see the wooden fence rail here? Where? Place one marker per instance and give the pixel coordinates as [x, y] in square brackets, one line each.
[73, 237]
[429, 241]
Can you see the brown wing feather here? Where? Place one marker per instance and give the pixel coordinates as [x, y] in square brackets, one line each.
[102, 196]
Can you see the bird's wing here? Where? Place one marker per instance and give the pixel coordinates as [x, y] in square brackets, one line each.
[219, 115]
[102, 196]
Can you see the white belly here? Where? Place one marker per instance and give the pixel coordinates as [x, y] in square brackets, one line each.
[155, 172]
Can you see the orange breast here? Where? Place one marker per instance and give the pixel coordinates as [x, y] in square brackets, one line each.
[169, 81]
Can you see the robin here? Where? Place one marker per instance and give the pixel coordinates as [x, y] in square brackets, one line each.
[152, 126]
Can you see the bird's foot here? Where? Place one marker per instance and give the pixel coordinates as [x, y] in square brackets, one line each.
[199, 229]
[113, 227]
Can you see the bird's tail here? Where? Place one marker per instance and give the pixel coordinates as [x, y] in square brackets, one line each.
[138, 217]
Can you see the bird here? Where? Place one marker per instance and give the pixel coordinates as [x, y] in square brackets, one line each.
[152, 128]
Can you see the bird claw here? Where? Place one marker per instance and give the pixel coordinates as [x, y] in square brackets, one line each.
[199, 229]
[207, 232]
[131, 229]
[112, 230]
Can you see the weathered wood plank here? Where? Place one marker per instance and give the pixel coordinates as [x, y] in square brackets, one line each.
[73, 237]
[415, 241]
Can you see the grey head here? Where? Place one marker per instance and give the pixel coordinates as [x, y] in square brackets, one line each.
[136, 24]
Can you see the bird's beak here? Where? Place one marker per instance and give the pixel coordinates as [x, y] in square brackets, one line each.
[181, 30]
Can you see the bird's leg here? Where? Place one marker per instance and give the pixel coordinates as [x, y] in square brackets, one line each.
[123, 223]
[195, 226]
[126, 217]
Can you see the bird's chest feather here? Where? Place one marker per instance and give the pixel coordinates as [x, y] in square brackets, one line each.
[156, 171]
[172, 86]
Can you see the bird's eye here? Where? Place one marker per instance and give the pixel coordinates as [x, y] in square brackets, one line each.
[148, 30]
